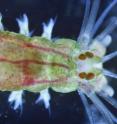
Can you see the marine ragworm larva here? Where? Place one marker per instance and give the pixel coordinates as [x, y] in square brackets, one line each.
[37, 63]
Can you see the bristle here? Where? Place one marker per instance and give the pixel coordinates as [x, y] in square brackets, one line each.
[98, 118]
[45, 98]
[106, 41]
[1, 25]
[92, 17]
[108, 90]
[112, 25]
[109, 57]
[47, 29]
[109, 99]
[113, 118]
[102, 17]
[86, 105]
[109, 73]
[15, 98]
[24, 25]
[101, 107]
[89, 22]
[86, 16]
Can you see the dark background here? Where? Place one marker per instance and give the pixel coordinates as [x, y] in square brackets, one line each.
[65, 108]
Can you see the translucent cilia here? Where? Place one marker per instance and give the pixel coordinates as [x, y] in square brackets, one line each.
[37, 63]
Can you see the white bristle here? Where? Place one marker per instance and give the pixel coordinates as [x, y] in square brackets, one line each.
[24, 25]
[102, 17]
[108, 91]
[45, 98]
[92, 17]
[101, 107]
[15, 98]
[112, 101]
[89, 21]
[113, 117]
[109, 73]
[112, 25]
[84, 23]
[86, 105]
[48, 28]
[109, 99]
[1, 25]
[98, 118]
[106, 41]
[109, 57]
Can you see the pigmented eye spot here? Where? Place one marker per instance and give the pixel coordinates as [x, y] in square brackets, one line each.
[82, 57]
[90, 76]
[86, 55]
[87, 76]
[89, 55]
[82, 75]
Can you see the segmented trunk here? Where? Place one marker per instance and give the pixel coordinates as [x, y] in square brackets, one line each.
[36, 63]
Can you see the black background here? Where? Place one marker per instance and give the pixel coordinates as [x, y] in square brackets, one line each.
[65, 108]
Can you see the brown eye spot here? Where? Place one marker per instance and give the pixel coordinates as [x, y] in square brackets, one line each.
[90, 76]
[82, 75]
[89, 54]
[82, 56]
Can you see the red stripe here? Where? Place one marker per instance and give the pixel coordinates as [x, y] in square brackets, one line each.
[46, 49]
[34, 61]
[28, 79]
[32, 82]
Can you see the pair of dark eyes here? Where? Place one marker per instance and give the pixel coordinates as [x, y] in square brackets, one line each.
[87, 76]
[86, 55]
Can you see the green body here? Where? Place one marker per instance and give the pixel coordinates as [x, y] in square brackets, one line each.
[36, 63]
